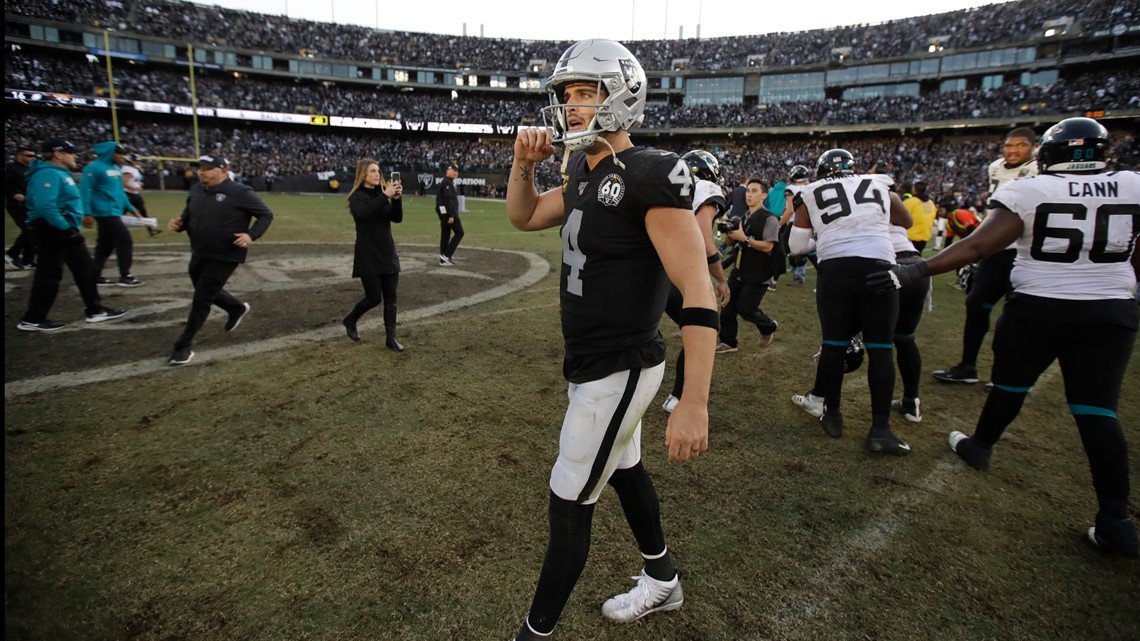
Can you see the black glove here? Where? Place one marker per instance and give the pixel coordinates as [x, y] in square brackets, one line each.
[897, 277]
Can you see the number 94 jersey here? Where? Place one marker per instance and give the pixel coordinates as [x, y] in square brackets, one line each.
[851, 216]
[613, 286]
[1080, 232]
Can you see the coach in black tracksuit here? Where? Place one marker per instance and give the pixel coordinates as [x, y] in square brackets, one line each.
[217, 217]
[447, 207]
[22, 254]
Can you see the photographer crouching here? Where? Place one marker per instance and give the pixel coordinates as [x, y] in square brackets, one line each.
[755, 235]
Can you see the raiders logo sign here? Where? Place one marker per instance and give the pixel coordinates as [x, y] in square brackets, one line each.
[611, 190]
[426, 181]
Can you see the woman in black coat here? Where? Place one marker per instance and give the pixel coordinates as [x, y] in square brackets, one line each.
[374, 208]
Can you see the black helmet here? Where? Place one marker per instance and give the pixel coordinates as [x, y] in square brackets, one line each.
[835, 162]
[853, 357]
[1074, 144]
[798, 173]
[703, 165]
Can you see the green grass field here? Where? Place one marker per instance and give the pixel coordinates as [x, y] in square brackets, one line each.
[343, 492]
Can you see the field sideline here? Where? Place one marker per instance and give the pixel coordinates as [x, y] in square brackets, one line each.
[333, 491]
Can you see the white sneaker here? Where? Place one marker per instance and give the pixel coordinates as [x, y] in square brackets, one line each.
[911, 412]
[670, 404]
[809, 403]
[648, 597]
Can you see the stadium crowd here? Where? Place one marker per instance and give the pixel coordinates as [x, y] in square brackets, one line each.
[951, 166]
[1010, 22]
[1114, 89]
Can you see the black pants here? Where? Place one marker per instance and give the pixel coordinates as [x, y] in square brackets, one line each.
[744, 301]
[673, 306]
[378, 288]
[57, 249]
[136, 201]
[846, 307]
[990, 283]
[911, 301]
[23, 250]
[449, 235]
[113, 236]
[209, 277]
[1093, 353]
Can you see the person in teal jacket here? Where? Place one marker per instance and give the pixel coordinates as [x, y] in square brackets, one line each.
[55, 214]
[106, 201]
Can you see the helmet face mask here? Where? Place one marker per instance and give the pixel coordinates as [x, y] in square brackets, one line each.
[835, 162]
[620, 86]
[703, 165]
[1073, 145]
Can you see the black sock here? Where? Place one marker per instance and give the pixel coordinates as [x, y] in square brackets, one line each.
[643, 514]
[566, 553]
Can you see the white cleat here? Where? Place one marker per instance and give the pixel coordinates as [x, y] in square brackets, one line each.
[809, 403]
[648, 597]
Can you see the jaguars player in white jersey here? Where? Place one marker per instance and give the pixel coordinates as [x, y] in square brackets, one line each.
[851, 215]
[708, 204]
[991, 277]
[627, 230]
[1076, 227]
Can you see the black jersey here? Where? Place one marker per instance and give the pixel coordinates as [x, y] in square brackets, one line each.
[613, 286]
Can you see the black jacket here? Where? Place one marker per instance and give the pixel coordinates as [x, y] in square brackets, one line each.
[447, 198]
[213, 216]
[374, 214]
[752, 265]
[15, 182]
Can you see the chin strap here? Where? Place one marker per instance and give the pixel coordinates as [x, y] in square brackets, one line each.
[566, 157]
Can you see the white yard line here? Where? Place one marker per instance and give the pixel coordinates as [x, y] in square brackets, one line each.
[536, 270]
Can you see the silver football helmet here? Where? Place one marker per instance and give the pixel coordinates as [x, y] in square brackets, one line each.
[621, 91]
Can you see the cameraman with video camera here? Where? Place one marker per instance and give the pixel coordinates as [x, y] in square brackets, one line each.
[756, 235]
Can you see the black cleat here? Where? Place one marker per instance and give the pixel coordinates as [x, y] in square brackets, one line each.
[975, 455]
[1115, 535]
[958, 374]
[181, 356]
[884, 442]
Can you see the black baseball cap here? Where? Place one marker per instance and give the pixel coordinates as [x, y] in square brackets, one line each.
[452, 165]
[119, 149]
[58, 144]
[212, 162]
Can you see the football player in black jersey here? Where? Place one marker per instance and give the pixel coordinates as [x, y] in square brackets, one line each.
[627, 230]
[1075, 229]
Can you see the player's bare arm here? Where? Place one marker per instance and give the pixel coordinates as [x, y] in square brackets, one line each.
[526, 208]
[1000, 228]
[705, 216]
[678, 241]
[900, 215]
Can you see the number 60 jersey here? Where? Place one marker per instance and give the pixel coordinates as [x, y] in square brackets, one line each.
[1080, 232]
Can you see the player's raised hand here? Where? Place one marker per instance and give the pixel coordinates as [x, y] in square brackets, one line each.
[532, 144]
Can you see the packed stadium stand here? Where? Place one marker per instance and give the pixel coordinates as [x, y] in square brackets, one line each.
[926, 97]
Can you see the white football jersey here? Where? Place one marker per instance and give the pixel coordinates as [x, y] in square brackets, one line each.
[900, 241]
[132, 179]
[706, 192]
[1000, 174]
[851, 216]
[1080, 231]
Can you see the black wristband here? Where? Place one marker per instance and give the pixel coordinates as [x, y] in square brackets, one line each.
[714, 259]
[699, 316]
